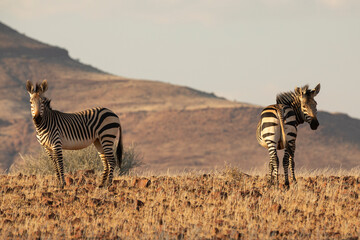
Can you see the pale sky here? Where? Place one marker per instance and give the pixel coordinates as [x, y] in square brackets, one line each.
[244, 50]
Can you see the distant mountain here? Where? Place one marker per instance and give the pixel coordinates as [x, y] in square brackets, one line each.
[23, 58]
[175, 127]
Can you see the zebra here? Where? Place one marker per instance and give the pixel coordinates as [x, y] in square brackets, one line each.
[277, 127]
[57, 130]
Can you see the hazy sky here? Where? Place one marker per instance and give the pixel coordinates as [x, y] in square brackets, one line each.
[248, 50]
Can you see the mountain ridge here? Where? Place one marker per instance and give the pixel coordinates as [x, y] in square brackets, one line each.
[175, 127]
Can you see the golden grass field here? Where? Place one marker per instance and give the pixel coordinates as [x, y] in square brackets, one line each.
[222, 205]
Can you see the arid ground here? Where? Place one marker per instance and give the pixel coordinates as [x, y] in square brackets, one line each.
[222, 205]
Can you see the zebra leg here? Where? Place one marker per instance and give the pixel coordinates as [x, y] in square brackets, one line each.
[292, 169]
[286, 167]
[108, 160]
[291, 159]
[106, 169]
[49, 151]
[274, 162]
[105, 155]
[60, 165]
[276, 170]
[271, 169]
[109, 154]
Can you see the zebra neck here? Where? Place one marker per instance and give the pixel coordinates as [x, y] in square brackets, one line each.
[46, 103]
[37, 120]
[41, 122]
[291, 100]
[299, 115]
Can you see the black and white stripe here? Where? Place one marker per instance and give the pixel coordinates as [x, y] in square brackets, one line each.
[56, 131]
[277, 128]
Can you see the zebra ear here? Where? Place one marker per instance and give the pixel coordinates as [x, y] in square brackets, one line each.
[29, 86]
[44, 86]
[316, 90]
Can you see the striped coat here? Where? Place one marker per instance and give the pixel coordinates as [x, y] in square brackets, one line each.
[56, 131]
[277, 127]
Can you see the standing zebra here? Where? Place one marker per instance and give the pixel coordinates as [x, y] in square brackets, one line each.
[277, 128]
[56, 131]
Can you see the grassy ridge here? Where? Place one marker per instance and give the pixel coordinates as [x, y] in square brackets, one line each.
[227, 204]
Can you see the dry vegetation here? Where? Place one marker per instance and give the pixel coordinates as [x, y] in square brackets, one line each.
[224, 205]
[76, 160]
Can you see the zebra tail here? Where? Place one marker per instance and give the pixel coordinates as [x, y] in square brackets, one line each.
[119, 149]
[281, 120]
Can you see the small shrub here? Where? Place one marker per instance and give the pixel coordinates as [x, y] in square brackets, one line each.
[130, 160]
[233, 173]
[74, 160]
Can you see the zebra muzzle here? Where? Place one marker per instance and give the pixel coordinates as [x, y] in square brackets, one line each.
[314, 124]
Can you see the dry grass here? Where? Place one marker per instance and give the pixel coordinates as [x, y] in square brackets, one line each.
[86, 158]
[226, 205]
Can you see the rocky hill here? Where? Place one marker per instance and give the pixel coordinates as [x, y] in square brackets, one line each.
[175, 127]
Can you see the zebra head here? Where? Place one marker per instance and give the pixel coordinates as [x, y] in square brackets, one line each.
[36, 98]
[308, 104]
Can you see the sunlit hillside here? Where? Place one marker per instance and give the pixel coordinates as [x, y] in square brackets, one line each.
[174, 127]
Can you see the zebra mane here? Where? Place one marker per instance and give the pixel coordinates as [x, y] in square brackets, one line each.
[287, 98]
[47, 102]
[292, 100]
